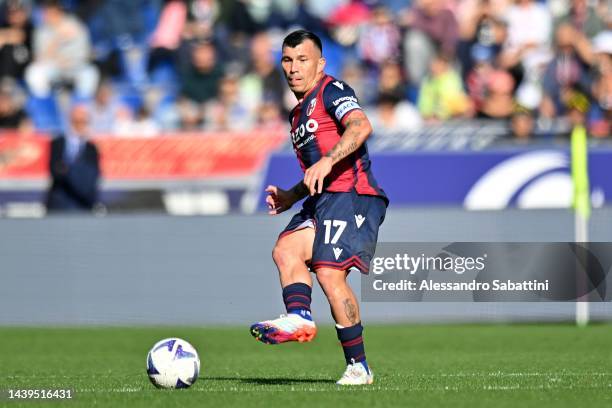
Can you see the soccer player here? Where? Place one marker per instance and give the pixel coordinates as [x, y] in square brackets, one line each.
[337, 227]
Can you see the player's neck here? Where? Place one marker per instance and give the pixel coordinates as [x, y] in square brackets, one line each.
[302, 95]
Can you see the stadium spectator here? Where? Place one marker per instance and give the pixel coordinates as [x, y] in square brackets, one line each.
[167, 37]
[393, 114]
[15, 39]
[430, 27]
[201, 18]
[578, 106]
[263, 81]
[529, 33]
[379, 39]
[190, 115]
[498, 102]
[323, 9]
[470, 12]
[120, 20]
[396, 7]
[478, 78]
[305, 17]
[61, 53]
[12, 115]
[365, 87]
[522, 124]
[74, 166]
[602, 51]
[585, 16]
[228, 111]
[391, 80]
[599, 118]
[104, 109]
[482, 35]
[441, 95]
[200, 80]
[346, 22]
[275, 14]
[269, 116]
[246, 18]
[136, 125]
[118, 29]
[568, 69]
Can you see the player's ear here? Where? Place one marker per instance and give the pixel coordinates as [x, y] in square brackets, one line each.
[321, 65]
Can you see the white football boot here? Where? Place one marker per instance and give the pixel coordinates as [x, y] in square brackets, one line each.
[356, 374]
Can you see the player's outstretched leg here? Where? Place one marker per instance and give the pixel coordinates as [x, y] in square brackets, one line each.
[345, 310]
[296, 325]
[290, 255]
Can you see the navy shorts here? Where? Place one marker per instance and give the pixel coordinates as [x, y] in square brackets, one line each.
[346, 229]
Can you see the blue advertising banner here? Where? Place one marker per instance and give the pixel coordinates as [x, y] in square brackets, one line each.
[488, 179]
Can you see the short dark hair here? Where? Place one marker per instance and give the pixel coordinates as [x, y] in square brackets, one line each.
[56, 4]
[297, 37]
[388, 98]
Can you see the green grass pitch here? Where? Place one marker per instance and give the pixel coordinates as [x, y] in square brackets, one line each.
[414, 366]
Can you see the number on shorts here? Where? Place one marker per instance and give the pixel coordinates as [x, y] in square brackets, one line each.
[341, 225]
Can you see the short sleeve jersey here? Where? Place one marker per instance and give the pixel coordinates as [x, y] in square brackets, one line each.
[317, 124]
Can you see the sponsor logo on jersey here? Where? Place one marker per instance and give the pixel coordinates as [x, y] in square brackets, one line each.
[311, 126]
[339, 85]
[305, 142]
[344, 99]
[346, 107]
[311, 107]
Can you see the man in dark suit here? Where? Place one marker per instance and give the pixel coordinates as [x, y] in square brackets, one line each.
[74, 166]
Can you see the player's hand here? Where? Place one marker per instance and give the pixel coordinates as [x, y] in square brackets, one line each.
[315, 175]
[278, 200]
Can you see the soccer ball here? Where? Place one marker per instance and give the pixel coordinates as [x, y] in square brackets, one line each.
[173, 363]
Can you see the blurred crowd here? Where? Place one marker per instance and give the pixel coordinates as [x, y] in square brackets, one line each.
[150, 66]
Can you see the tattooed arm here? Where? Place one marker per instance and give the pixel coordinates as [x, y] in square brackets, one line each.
[357, 130]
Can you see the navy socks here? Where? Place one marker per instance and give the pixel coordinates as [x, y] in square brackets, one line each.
[352, 343]
[297, 298]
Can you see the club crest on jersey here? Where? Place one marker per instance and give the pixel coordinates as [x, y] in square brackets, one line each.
[311, 107]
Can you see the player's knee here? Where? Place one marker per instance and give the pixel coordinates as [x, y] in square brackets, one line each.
[284, 257]
[331, 280]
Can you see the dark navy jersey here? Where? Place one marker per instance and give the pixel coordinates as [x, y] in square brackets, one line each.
[316, 127]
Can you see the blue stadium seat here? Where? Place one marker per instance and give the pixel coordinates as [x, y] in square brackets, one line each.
[334, 55]
[164, 74]
[129, 95]
[45, 113]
